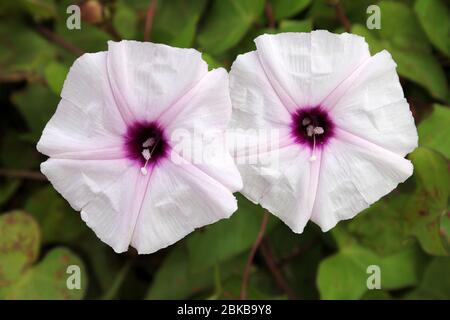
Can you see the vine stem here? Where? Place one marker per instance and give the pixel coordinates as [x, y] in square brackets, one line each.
[269, 15]
[58, 40]
[22, 174]
[149, 20]
[342, 16]
[281, 282]
[252, 254]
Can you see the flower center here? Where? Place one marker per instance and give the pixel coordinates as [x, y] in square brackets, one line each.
[145, 144]
[312, 127]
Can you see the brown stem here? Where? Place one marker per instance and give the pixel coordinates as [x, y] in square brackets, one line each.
[58, 40]
[342, 16]
[109, 28]
[269, 15]
[21, 76]
[22, 174]
[149, 20]
[252, 254]
[281, 282]
[297, 252]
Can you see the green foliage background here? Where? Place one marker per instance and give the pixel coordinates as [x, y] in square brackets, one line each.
[407, 233]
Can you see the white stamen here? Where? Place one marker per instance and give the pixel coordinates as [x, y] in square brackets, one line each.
[309, 130]
[148, 143]
[318, 130]
[146, 154]
[306, 121]
[313, 156]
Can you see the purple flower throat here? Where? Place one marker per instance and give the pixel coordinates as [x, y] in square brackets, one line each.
[145, 144]
[312, 127]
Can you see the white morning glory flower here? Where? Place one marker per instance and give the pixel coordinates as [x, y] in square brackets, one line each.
[111, 148]
[343, 124]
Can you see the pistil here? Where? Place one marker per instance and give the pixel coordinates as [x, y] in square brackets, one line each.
[312, 131]
[147, 153]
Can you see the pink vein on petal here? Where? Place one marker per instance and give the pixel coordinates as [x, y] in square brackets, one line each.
[314, 180]
[330, 101]
[142, 195]
[284, 97]
[121, 103]
[352, 138]
[108, 153]
[168, 115]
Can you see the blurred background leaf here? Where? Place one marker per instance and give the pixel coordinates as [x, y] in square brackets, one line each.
[406, 233]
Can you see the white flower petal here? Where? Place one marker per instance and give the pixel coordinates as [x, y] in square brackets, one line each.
[255, 102]
[206, 106]
[87, 118]
[291, 198]
[373, 107]
[148, 78]
[196, 125]
[260, 171]
[114, 212]
[354, 174]
[195, 200]
[80, 181]
[210, 154]
[305, 67]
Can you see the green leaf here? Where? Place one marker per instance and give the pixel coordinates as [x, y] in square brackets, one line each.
[232, 289]
[89, 38]
[37, 104]
[176, 22]
[376, 295]
[412, 211]
[403, 37]
[433, 178]
[288, 8]
[40, 9]
[434, 17]
[185, 38]
[23, 53]
[125, 20]
[344, 275]
[212, 63]
[178, 279]
[299, 256]
[19, 247]
[356, 11]
[435, 283]
[224, 239]
[19, 278]
[433, 131]
[174, 280]
[445, 230]
[55, 73]
[17, 153]
[227, 23]
[7, 189]
[295, 25]
[59, 222]
[47, 280]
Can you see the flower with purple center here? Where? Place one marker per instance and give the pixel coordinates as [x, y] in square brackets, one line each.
[342, 122]
[111, 149]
